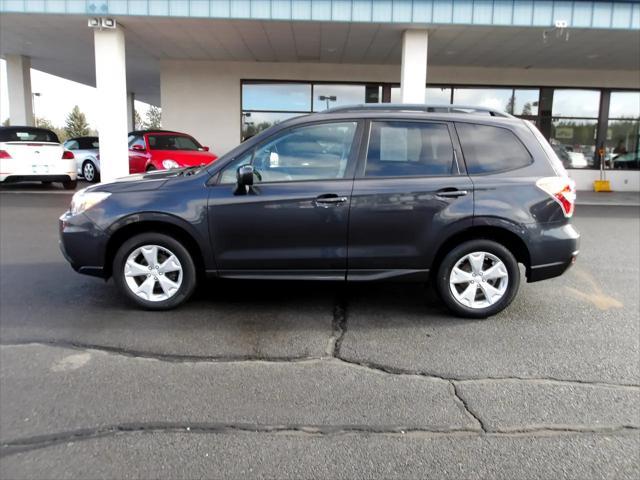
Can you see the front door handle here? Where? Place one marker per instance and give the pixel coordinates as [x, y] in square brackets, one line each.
[451, 193]
[329, 200]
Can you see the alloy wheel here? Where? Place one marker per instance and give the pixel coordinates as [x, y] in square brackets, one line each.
[479, 280]
[89, 171]
[153, 273]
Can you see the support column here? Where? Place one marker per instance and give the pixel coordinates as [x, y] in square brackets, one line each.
[111, 83]
[413, 80]
[19, 86]
[131, 111]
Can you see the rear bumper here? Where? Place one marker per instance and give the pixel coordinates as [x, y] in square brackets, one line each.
[67, 177]
[83, 244]
[556, 250]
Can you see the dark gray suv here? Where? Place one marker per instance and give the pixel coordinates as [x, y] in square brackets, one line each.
[456, 195]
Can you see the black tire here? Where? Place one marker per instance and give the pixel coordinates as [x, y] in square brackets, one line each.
[70, 185]
[174, 246]
[87, 172]
[46, 183]
[456, 254]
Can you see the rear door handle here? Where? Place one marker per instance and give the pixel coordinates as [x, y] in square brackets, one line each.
[329, 200]
[451, 193]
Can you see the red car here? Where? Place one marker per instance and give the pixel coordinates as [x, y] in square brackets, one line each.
[162, 149]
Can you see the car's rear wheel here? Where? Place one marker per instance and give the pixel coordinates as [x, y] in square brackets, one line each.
[155, 271]
[90, 172]
[70, 185]
[478, 279]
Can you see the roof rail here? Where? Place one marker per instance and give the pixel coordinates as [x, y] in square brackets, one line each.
[398, 107]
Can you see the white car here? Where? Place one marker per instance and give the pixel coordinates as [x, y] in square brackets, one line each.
[30, 154]
[86, 151]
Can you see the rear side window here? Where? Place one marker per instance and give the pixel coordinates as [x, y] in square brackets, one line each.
[407, 149]
[489, 149]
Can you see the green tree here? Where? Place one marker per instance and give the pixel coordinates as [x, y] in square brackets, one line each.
[526, 109]
[6, 123]
[76, 124]
[153, 118]
[137, 120]
[46, 123]
[510, 104]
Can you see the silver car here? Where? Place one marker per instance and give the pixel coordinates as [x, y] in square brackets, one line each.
[85, 149]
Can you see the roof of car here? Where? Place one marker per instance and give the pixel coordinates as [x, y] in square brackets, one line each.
[418, 108]
[82, 138]
[23, 127]
[156, 130]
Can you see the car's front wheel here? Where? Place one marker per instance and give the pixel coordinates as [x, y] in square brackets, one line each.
[478, 279]
[155, 271]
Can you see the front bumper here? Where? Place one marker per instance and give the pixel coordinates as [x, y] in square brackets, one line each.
[555, 250]
[83, 244]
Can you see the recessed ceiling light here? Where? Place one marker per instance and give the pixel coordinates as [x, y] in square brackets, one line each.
[331, 50]
[593, 55]
[450, 52]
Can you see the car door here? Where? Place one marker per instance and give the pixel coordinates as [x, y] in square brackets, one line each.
[293, 221]
[410, 192]
[137, 154]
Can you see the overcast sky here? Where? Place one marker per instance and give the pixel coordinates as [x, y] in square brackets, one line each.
[57, 98]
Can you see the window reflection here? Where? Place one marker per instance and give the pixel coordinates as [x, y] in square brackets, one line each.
[576, 103]
[494, 98]
[276, 96]
[331, 96]
[624, 105]
[432, 95]
[255, 122]
[525, 102]
[573, 140]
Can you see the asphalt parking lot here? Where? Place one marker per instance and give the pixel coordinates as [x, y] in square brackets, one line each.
[308, 380]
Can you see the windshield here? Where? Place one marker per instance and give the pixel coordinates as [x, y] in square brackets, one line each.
[27, 135]
[173, 142]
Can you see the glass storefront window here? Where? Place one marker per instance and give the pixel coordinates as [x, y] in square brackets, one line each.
[573, 140]
[624, 105]
[525, 101]
[330, 96]
[622, 150]
[432, 95]
[255, 122]
[495, 98]
[576, 103]
[294, 97]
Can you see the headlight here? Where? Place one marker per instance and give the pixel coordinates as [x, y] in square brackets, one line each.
[84, 200]
[170, 164]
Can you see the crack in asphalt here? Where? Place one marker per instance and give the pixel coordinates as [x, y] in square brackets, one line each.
[338, 326]
[381, 368]
[462, 403]
[49, 440]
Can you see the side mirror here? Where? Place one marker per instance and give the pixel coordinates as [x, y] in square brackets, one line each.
[138, 148]
[244, 176]
[205, 149]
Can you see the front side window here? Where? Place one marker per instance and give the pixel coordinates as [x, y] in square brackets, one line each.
[401, 149]
[172, 142]
[489, 149]
[315, 152]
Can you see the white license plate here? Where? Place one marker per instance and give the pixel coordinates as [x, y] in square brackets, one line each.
[39, 169]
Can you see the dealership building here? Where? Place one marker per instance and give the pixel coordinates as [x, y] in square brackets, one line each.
[222, 70]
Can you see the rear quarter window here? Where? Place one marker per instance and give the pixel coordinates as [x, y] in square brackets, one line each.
[490, 149]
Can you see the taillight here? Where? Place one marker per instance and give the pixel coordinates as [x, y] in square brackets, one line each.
[562, 190]
[4, 154]
[67, 155]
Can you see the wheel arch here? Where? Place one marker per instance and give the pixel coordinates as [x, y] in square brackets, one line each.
[152, 224]
[514, 242]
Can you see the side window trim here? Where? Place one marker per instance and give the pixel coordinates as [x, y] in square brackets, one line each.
[349, 172]
[457, 167]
